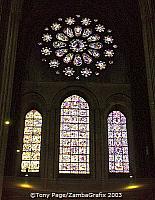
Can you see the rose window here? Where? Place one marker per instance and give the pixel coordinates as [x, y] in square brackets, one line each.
[77, 47]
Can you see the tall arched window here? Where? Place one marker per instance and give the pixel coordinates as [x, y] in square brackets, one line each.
[31, 142]
[118, 143]
[74, 136]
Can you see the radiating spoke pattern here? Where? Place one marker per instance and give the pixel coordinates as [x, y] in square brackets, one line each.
[118, 143]
[79, 43]
[31, 142]
[74, 136]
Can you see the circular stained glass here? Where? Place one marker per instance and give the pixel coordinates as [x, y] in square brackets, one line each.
[77, 47]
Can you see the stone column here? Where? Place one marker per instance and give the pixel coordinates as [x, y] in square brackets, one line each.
[7, 76]
[147, 8]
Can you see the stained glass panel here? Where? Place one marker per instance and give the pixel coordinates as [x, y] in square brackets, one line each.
[31, 142]
[117, 143]
[76, 47]
[74, 136]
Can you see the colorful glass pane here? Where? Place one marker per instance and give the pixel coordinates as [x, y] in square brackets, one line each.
[31, 142]
[72, 43]
[117, 143]
[74, 136]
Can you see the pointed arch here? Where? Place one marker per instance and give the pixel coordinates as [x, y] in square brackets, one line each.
[74, 136]
[118, 142]
[31, 142]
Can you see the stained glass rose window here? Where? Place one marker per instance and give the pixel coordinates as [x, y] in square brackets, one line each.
[77, 47]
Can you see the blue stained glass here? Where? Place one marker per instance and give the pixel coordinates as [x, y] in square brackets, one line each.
[117, 143]
[74, 136]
